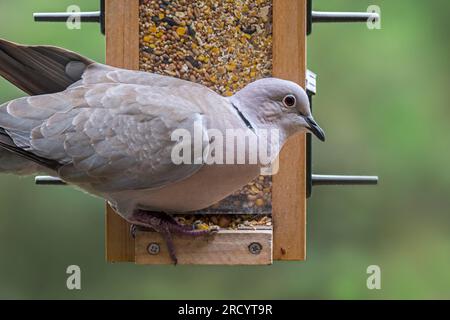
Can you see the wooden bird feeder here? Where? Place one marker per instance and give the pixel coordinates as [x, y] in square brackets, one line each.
[135, 41]
[286, 240]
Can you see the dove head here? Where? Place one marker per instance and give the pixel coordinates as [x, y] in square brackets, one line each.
[280, 103]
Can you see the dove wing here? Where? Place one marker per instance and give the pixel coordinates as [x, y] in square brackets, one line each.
[108, 137]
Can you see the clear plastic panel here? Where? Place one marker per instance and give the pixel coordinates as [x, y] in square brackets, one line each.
[222, 44]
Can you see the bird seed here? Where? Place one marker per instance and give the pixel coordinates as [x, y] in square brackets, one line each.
[222, 44]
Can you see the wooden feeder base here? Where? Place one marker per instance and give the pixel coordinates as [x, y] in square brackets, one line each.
[227, 247]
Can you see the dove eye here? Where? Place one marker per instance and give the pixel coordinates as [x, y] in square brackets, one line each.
[289, 100]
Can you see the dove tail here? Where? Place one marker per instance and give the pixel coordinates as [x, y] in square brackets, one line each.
[40, 69]
[14, 159]
[11, 163]
[36, 70]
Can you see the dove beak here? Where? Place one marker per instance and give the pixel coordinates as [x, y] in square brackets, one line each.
[314, 128]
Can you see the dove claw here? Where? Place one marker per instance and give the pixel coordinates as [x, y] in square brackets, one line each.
[133, 231]
[214, 230]
[166, 225]
[135, 228]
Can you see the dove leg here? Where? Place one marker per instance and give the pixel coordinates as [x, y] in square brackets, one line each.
[134, 228]
[166, 225]
[167, 235]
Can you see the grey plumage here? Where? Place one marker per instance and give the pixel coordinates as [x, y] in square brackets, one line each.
[108, 130]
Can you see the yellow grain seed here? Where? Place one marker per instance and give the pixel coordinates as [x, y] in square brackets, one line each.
[181, 31]
[231, 66]
[202, 226]
[259, 202]
[215, 51]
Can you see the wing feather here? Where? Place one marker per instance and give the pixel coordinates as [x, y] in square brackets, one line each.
[110, 137]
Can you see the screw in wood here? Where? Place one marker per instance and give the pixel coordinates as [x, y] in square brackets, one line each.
[255, 248]
[153, 248]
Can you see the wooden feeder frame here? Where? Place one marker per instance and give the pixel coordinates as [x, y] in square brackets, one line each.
[287, 240]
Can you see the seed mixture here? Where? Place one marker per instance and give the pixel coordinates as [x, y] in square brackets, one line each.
[226, 221]
[222, 44]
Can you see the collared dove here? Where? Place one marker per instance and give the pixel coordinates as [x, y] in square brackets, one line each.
[108, 131]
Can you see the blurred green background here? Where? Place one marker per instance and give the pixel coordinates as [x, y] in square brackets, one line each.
[383, 99]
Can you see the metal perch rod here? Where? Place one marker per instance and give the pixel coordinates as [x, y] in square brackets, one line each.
[330, 180]
[317, 16]
[93, 16]
[49, 181]
[320, 16]
[317, 180]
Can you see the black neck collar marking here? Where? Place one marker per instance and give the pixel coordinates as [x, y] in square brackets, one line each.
[241, 115]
